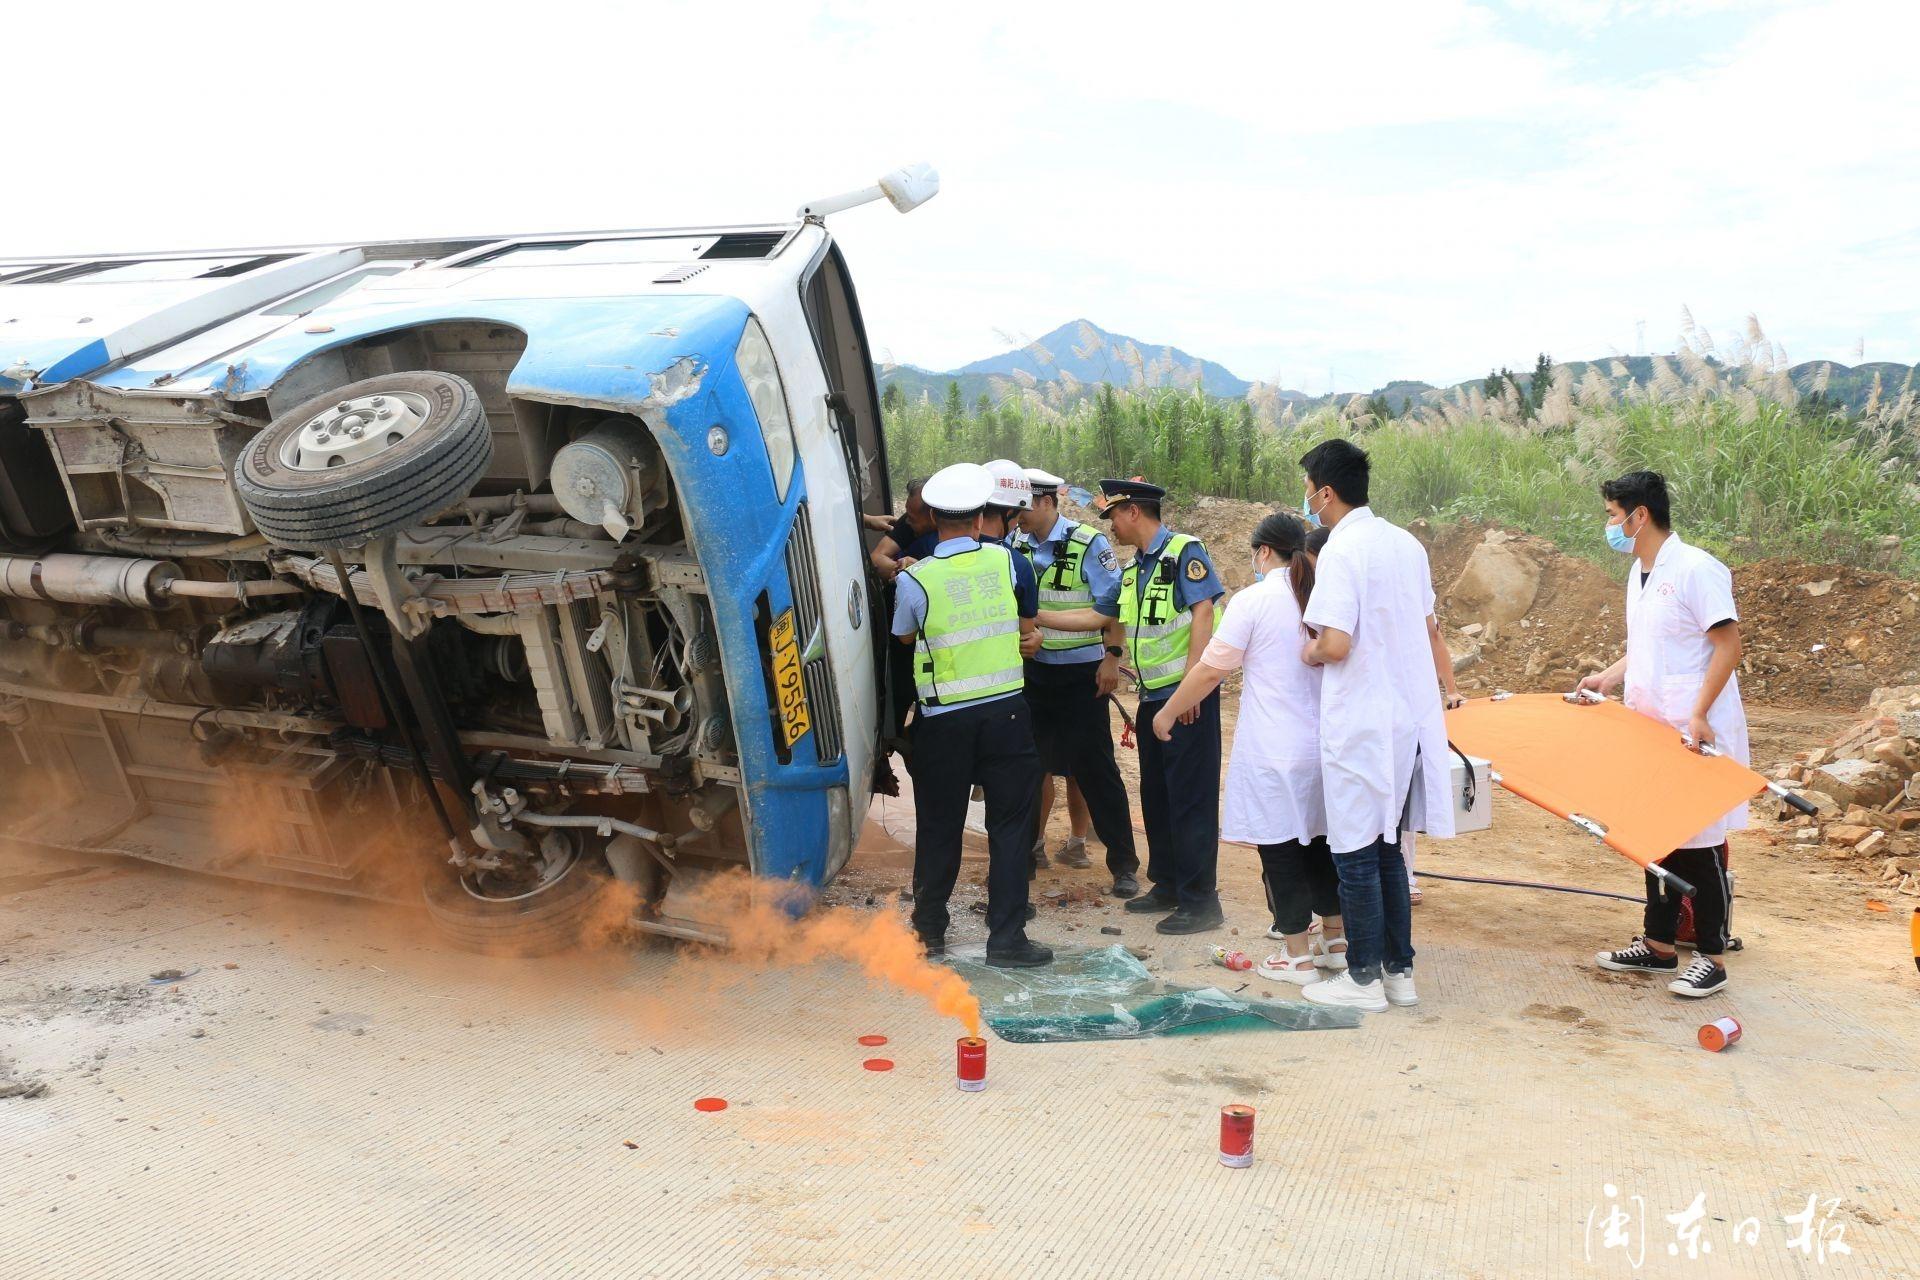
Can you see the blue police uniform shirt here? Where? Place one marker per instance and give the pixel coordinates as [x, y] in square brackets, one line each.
[910, 608]
[1189, 588]
[1102, 571]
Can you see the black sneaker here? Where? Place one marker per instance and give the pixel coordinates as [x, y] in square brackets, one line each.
[1638, 958]
[1125, 886]
[1192, 921]
[1702, 978]
[933, 946]
[1028, 954]
[1149, 903]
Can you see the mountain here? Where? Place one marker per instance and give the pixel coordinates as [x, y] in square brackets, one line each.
[1088, 353]
[1079, 351]
[1083, 354]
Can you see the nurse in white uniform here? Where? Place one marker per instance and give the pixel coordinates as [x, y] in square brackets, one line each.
[1683, 649]
[1383, 736]
[1273, 792]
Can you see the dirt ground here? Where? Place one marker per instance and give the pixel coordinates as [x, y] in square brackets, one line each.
[317, 1088]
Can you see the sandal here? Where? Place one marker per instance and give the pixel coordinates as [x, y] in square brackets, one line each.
[1324, 955]
[1282, 967]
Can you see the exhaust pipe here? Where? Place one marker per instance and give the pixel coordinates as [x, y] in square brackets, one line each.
[77, 579]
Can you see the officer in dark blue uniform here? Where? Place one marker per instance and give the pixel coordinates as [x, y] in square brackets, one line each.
[1164, 601]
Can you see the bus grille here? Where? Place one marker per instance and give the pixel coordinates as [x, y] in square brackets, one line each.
[809, 617]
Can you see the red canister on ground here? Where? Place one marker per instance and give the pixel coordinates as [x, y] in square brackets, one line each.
[1236, 1136]
[972, 1071]
[1720, 1034]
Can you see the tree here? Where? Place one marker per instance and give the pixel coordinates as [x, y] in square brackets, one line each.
[1106, 421]
[1245, 433]
[953, 415]
[892, 398]
[1541, 384]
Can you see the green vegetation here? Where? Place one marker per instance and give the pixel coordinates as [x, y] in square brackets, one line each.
[1755, 473]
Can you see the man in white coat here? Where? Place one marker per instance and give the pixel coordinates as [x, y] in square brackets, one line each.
[1383, 737]
[1683, 646]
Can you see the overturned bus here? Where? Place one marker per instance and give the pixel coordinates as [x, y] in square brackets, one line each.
[491, 569]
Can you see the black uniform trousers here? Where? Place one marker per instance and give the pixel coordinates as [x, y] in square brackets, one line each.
[991, 744]
[1074, 733]
[1706, 871]
[1180, 805]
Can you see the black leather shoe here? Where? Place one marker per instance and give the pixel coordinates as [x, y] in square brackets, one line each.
[1032, 911]
[1028, 955]
[1185, 921]
[1125, 886]
[934, 946]
[1148, 903]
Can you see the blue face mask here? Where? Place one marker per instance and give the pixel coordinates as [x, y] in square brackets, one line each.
[1618, 538]
[1259, 574]
[1313, 517]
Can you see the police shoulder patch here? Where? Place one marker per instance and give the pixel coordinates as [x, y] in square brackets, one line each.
[1196, 569]
[1109, 561]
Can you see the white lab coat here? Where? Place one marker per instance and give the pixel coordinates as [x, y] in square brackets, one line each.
[1273, 791]
[1383, 732]
[1668, 652]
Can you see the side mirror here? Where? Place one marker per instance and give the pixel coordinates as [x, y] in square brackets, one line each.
[909, 188]
[906, 189]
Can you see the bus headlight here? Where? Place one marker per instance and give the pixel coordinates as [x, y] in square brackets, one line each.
[754, 360]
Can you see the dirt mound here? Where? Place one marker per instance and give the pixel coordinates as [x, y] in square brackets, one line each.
[1826, 635]
[1815, 635]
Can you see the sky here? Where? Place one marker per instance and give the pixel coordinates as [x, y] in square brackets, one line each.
[1324, 195]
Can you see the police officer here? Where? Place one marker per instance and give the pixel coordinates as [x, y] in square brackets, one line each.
[1164, 602]
[1069, 679]
[961, 611]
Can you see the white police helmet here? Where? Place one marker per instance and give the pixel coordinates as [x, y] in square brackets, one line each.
[1011, 488]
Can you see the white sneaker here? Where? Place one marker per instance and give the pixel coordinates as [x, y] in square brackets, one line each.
[1273, 931]
[1282, 967]
[1348, 994]
[1399, 988]
[1324, 956]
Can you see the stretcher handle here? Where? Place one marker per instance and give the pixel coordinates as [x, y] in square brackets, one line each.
[1671, 880]
[1795, 799]
[1788, 795]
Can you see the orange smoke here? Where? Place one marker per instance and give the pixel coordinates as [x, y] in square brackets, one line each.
[878, 941]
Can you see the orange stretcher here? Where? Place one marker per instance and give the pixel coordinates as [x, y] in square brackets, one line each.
[1627, 779]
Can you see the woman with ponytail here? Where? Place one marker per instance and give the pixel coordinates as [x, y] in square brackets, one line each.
[1273, 793]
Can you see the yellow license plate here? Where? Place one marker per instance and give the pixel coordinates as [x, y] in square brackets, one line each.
[788, 685]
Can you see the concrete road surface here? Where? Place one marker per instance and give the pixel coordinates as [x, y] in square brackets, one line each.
[330, 1093]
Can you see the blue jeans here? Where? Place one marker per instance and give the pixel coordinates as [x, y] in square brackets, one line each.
[1376, 909]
